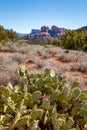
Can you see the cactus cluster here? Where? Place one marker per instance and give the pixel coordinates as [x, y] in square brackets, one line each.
[43, 102]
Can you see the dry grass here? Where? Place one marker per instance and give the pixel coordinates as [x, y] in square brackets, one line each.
[8, 70]
[80, 67]
[36, 58]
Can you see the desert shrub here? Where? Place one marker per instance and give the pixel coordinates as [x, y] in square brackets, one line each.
[85, 46]
[8, 70]
[3, 34]
[55, 41]
[67, 58]
[82, 67]
[6, 36]
[14, 47]
[38, 63]
[51, 52]
[43, 102]
[46, 53]
[18, 57]
[73, 40]
[12, 35]
[22, 41]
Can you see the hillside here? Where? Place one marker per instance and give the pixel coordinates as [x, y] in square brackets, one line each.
[84, 29]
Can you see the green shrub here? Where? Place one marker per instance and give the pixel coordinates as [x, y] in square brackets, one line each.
[73, 40]
[43, 102]
[6, 36]
[55, 41]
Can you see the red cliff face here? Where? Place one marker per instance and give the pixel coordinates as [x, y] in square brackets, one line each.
[55, 29]
[41, 35]
[44, 29]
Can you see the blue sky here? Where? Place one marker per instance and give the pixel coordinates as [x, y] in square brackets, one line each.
[23, 15]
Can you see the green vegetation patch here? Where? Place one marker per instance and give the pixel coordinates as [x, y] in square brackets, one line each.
[7, 36]
[42, 102]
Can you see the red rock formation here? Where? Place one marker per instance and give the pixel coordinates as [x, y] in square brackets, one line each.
[45, 33]
[41, 35]
[55, 29]
[44, 29]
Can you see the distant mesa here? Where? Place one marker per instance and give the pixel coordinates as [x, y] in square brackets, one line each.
[35, 31]
[41, 35]
[45, 33]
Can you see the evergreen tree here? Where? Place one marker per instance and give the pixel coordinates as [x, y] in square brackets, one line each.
[7, 36]
[3, 34]
[12, 35]
[73, 40]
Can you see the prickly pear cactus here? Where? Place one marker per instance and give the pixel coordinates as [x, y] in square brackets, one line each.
[43, 102]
